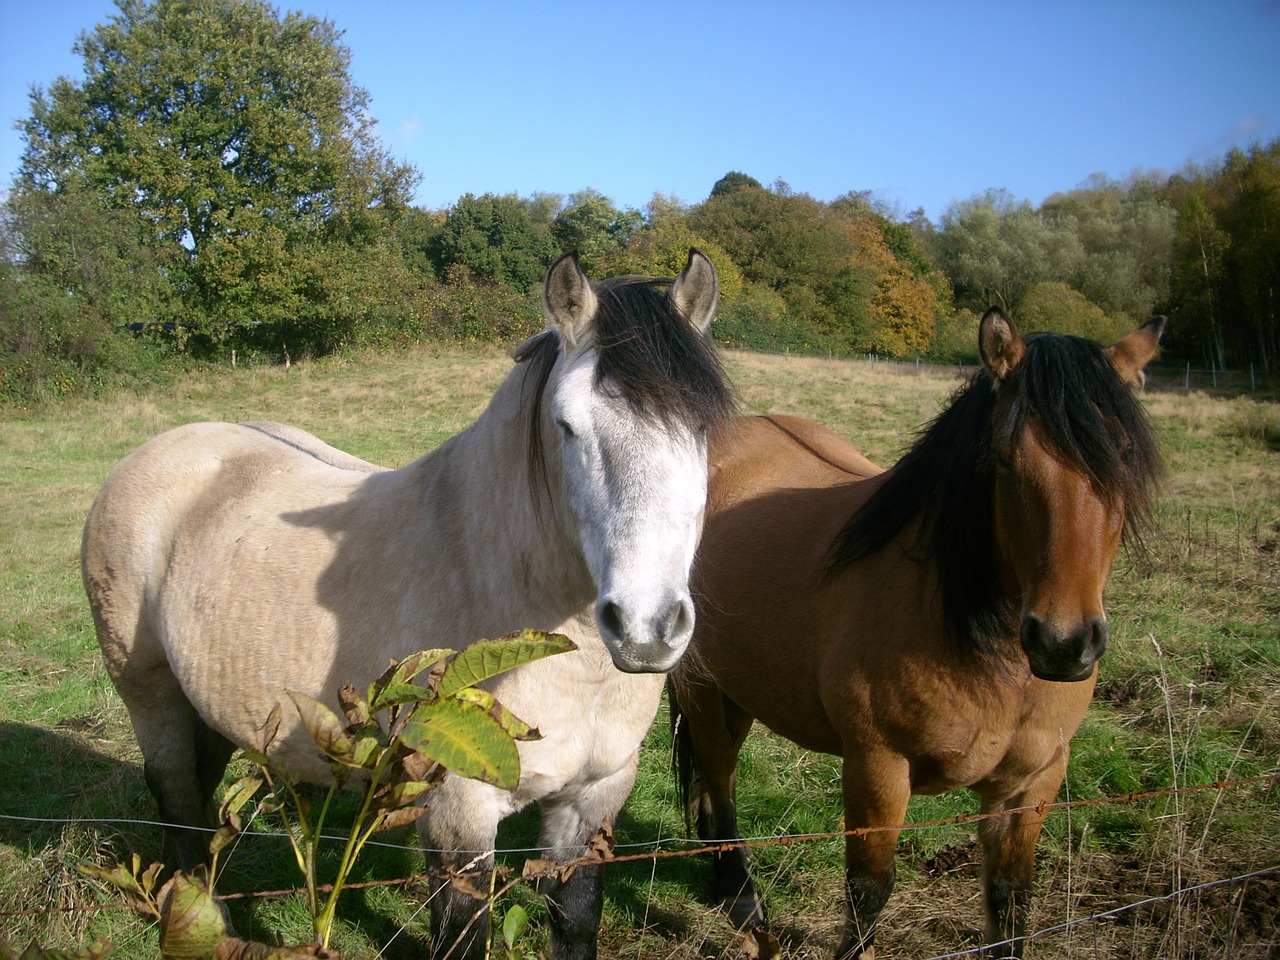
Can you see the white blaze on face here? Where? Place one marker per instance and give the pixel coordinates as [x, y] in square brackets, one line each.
[637, 489]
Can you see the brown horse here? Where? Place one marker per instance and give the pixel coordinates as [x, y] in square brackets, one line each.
[936, 625]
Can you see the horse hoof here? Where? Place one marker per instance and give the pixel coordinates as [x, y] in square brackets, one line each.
[743, 912]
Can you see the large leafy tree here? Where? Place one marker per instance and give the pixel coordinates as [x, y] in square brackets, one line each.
[239, 142]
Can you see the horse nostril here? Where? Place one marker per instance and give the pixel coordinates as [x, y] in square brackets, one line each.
[676, 623]
[610, 618]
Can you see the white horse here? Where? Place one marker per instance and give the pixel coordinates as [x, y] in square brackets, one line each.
[228, 563]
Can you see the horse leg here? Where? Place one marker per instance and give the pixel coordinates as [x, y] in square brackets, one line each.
[1009, 856]
[183, 762]
[709, 735]
[458, 832]
[877, 788]
[575, 901]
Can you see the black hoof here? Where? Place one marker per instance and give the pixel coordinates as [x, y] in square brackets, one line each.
[745, 911]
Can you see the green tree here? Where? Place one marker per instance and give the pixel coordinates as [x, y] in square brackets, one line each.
[1054, 306]
[80, 296]
[733, 180]
[234, 136]
[659, 247]
[1126, 235]
[493, 238]
[994, 249]
[590, 224]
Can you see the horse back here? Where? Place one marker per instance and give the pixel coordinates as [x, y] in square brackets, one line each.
[174, 490]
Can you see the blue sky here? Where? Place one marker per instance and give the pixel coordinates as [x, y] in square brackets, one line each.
[922, 102]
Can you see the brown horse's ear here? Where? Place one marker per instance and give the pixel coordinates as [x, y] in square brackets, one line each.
[999, 344]
[568, 300]
[1130, 355]
[696, 290]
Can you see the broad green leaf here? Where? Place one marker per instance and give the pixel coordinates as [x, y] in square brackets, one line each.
[488, 658]
[94, 951]
[514, 925]
[365, 753]
[466, 740]
[517, 728]
[118, 875]
[223, 837]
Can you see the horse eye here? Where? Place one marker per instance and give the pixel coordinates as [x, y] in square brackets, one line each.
[565, 429]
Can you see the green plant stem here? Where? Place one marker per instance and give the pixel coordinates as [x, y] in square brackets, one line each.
[356, 840]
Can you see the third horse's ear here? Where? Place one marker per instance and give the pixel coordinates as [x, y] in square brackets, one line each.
[1130, 355]
[999, 344]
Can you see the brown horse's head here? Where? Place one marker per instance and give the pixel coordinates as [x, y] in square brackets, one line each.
[1020, 493]
[1071, 460]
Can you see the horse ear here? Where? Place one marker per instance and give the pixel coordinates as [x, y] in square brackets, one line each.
[568, 300]
[1130, 355]
[999, 344]
[696, 290]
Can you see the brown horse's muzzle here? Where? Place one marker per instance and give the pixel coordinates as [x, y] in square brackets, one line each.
[1063, 657]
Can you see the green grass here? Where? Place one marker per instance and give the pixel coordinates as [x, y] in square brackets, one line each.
[1189, 692]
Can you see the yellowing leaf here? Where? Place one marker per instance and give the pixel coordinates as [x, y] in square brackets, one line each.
[466, 740]
[192, 923]
[325, 729]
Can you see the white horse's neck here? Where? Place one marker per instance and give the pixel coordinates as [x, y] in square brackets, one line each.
[515, 563]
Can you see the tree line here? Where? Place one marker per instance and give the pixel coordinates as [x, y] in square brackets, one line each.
[212, 187]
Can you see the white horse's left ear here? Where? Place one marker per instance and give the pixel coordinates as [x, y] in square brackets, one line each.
[568, 300]
[696, 291]
[1130, 355]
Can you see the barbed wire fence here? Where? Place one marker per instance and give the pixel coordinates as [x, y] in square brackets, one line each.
[678, 847]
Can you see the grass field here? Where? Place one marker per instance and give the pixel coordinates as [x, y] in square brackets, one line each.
[1188, 695]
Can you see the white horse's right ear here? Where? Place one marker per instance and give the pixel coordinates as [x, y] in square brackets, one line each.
[696, 291]
[999, 345]
[568, 300]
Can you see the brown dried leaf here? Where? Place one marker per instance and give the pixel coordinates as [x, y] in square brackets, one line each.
[600, 846]
[760, 944]
[399, 818]
[462, 883]
[546, 868]
[267, 733]
[354, 707]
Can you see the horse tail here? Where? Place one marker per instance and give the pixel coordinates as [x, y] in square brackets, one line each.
[682, 761]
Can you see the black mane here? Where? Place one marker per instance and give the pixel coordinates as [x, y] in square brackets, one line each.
[1088, 415]
[649, 353]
